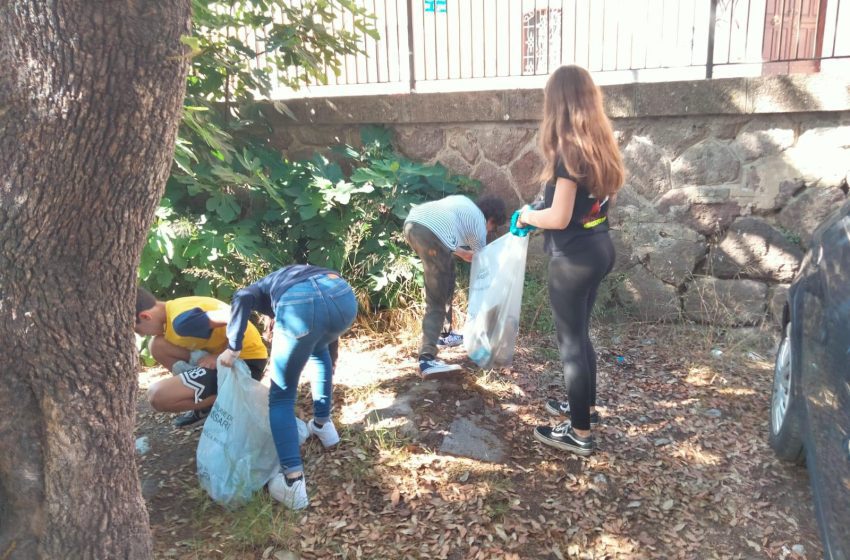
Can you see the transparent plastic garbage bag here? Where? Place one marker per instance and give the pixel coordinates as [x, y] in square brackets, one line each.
[495, 301]
[236, 453]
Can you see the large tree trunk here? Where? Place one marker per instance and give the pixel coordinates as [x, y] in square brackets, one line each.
[90, 99]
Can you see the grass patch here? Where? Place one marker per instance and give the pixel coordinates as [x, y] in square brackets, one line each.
[536, 311]
[259, 523]
[371, 447]
[497, 501]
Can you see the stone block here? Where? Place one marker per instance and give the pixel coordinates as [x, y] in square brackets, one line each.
[674, 260]
[726, 128]
[526, 172]
[706, 163]
[455, 107]
[340, 110]
[761, 138]
[281, 139]
[648, 170]
[496, 182]
[454, 162]
[501, 144]
[822, 155]
[628, 196]
[646, 230]
[619, 100]
[468, 439]
[669, 250]
[712, 219]
[754, 249]
[706, 210]
[806, 211]
[522, 105]
[418, 142]
[647, 298]
[725, 302]
[320, 136]
[714, 97]
[625, 260]
[464, 142]
[798, 93]
[778, 299]
[675, 135]
[771, 179]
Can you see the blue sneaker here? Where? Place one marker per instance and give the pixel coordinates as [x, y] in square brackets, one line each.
[450, 340]
[436, 369]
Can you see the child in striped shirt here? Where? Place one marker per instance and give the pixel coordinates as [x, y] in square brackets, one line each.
[437, 230]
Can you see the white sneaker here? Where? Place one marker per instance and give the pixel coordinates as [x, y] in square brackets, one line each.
[293, 497]
[327, 434]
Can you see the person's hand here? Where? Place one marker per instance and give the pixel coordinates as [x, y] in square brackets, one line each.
[207, 361]
[229, 357]
[464, 254]
[519, 221]
[518, 227]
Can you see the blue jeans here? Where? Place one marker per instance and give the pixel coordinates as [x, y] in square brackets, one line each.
[308, 317]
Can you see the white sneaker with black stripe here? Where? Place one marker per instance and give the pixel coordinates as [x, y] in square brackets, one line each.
[564, 437]
[292, 495]
[327, 434]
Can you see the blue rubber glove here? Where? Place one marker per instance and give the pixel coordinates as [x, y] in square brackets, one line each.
[520, 231]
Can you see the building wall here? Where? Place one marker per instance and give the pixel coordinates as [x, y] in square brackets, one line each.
[727, 179]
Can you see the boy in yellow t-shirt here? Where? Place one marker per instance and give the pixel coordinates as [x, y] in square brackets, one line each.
[188, 335]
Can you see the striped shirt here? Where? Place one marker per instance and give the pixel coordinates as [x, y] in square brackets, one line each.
[455, 220]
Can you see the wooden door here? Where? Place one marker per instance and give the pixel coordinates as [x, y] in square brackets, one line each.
[793, 36]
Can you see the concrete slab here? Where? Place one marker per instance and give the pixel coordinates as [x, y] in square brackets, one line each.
[467, 439]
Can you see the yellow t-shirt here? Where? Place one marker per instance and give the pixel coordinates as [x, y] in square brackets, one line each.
[187, 326]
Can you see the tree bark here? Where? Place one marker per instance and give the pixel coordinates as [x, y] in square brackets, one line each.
[90, 98]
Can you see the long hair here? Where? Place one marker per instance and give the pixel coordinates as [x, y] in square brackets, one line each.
[576, 130]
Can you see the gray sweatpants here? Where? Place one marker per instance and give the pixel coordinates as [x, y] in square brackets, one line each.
[439, 268]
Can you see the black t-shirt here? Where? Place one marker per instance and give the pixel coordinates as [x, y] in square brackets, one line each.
[590, 215]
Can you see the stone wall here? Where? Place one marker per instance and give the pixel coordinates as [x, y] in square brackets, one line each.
[727, 179]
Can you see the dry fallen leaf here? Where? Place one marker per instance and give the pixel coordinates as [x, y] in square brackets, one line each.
[618, 503]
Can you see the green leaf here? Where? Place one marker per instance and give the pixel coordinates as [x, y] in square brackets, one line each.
[376, 136]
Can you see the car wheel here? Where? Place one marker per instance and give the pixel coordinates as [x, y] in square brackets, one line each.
[786, 434]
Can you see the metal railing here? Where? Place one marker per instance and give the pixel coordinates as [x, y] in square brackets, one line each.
[431, 45]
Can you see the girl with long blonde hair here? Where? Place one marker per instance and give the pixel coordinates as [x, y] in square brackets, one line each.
[583, 172]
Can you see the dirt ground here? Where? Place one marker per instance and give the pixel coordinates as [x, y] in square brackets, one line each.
[683, 468]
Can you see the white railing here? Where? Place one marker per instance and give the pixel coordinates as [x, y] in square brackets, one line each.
[445, 45]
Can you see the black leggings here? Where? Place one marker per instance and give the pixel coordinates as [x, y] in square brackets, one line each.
[574, 279]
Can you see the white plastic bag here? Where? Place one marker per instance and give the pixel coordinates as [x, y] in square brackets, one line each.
[236, 452]
[495, 300]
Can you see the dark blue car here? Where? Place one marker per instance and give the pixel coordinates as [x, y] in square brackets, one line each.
[810, 406]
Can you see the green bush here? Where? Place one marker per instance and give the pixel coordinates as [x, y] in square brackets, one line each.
[234, 209]
[240, 210]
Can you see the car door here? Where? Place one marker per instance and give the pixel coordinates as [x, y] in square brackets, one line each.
[825, 361]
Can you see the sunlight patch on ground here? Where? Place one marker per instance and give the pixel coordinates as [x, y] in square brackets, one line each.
[363, 364]
[695, 454]
[498, 387]
[702, 376]
[738, 392]
[356, 411]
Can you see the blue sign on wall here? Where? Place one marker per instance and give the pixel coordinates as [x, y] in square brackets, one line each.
[438, 6]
